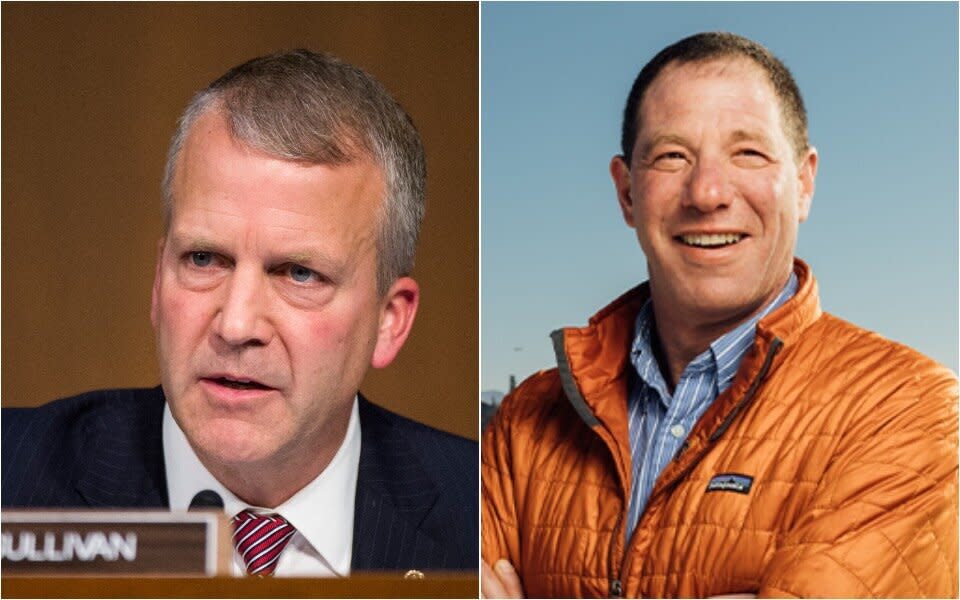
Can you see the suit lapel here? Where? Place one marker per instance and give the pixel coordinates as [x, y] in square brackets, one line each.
[394, 497]
[124, 465]
[124, 468]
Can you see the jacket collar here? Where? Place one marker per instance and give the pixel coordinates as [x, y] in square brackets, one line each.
[123, 454]
[789, 321]
[394, 496]
[593, 362]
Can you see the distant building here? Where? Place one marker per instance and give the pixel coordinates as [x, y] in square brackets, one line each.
[489, 402]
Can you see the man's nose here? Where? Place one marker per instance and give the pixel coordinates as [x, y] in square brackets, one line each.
[243, 319]
[708, 188]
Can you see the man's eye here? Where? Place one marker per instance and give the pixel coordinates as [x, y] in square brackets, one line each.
[671, 156]
[301, 274]
[750, 158]
[201, 259]
[670, 160]
[751, 153]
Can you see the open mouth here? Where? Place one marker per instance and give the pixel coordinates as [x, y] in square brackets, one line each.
[710, 240]
[239, 384]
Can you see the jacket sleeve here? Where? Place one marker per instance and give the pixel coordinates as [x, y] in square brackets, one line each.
[499, 533]
[883, 520]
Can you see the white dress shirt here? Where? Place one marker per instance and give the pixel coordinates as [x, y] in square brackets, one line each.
[322, 512]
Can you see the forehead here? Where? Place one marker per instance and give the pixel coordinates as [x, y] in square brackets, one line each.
[226, 190]
[725, 83]
[213, 164]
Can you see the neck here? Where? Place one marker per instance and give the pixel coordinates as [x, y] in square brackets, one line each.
[678, 343]
[683, 334]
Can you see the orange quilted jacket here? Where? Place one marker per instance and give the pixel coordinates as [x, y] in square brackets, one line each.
[850, 441]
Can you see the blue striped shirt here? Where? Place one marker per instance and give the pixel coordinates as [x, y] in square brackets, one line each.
[660, 421]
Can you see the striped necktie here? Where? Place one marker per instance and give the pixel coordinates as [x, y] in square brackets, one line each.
[259, 540]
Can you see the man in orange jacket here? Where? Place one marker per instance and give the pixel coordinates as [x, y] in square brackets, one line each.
[713, 431]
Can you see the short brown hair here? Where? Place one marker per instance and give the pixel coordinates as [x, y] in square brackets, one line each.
[314, 107]
[704, 47]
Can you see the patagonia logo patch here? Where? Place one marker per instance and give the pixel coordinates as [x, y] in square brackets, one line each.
[730, 482]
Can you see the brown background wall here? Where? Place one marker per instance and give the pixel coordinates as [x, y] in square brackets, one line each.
[91, 94]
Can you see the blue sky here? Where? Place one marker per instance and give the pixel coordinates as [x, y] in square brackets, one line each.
[880, 84]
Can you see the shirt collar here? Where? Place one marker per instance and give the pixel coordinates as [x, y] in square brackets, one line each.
[724, 354]
[641, 353]
[322, 511]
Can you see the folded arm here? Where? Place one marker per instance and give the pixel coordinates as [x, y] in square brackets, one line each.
[883, 521]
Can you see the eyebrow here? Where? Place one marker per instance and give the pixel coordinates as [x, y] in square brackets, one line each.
[187, 239]
[304, 257]
[312, 257]
[739, 135]
[742, 135]
[666, 138]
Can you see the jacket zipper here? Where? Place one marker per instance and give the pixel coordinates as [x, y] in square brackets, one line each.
[775, 346]
[616, 583]
[616, 587]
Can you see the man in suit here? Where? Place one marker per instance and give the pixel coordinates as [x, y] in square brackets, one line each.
[293, 197]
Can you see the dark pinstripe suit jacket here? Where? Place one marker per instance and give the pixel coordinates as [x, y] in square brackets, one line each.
[416, 505]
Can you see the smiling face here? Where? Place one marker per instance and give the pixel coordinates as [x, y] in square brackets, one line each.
[265, 302]
[715, 190]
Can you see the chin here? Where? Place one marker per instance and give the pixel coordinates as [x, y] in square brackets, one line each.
[721, 299]
[229, 442]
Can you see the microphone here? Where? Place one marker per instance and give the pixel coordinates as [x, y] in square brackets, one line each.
[206, 499]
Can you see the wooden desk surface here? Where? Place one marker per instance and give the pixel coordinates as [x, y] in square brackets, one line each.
[357, 586]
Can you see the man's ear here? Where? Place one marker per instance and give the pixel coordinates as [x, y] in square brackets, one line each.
[807, 176]
[620, 172]
[397, 311]
[155, 294]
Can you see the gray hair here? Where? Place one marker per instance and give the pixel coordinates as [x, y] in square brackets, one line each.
[312, 107]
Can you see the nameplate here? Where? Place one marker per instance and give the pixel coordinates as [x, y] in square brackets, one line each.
[112, 543]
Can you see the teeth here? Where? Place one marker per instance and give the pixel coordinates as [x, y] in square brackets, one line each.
[711, 239]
